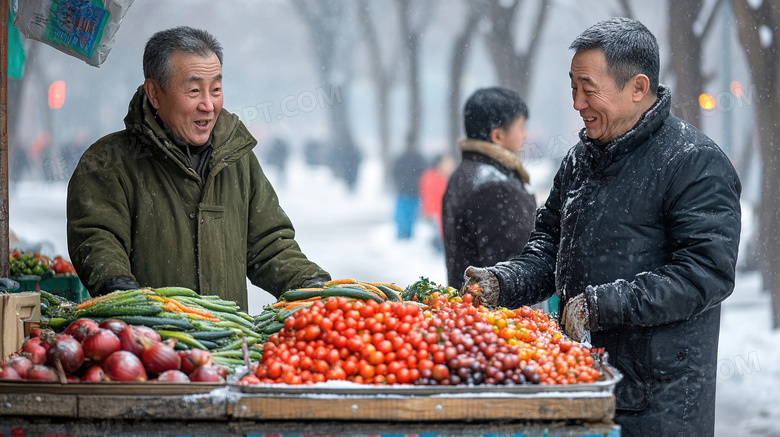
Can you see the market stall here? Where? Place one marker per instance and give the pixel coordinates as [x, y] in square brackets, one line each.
[430, 376]
[349, 358]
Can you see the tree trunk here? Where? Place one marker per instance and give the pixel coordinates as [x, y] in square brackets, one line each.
[457, 64]
[685, 60]
[512, 66]
[411, 40]
[382, 80]
[331, 49]
[764, 61]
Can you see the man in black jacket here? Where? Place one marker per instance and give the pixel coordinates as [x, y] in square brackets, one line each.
[638, 237]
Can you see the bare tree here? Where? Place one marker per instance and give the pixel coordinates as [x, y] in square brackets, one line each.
[383, 74]
[757, 30]
[331, 46]
[413, 19]
[458, 59]
[513, 65]
[686, 39]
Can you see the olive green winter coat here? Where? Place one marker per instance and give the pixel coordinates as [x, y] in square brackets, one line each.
[137, 208]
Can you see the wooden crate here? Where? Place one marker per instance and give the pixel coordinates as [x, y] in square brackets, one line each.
[356, 402]
[115, 400]
[16, 309]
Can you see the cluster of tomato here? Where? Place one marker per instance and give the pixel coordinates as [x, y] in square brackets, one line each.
[449, 342]
[25, 263]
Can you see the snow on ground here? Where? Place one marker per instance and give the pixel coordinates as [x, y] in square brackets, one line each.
[353, 235]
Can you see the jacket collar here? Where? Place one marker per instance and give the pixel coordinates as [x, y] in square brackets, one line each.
[649, 122]
[497, 153]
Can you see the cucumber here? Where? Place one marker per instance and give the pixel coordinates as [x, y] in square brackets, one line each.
[212, 335]
[182, 337]
[265, 315]
[112, 311]
[156, 322]
[353, 293]
[57, 324]
[230, 363]
[175, 291]
[205, 304]
[293, 295]
[209, 344]
[273, 327]
[233, 318]
[287, 313]
[390, 294]
[118, 302]
[236, 344]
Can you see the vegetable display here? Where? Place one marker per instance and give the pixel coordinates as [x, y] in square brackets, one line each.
[25, 263]
[101, 356]
[177, 313]
[363, 332]
[436, 337]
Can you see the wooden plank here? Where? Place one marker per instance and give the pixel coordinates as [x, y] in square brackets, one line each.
[153, 407]
[38, 404]
[5, 262]
[596, 408]
[148, 388]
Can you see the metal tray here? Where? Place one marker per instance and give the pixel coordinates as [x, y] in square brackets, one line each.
[611, 376]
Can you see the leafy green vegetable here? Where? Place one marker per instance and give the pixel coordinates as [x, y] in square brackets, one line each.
[421, 289]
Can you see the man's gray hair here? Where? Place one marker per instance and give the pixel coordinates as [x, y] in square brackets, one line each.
[629, 49]
[163, 44]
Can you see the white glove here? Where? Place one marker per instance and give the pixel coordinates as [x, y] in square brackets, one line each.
[575, 318]
[487, 290]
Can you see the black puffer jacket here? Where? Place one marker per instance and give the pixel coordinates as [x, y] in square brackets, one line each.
[649, 231]
[487, 212]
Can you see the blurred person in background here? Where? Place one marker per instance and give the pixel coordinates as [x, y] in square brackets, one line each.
[433, 183]
[638, 237]
[407, 169]
[277, 154]
[488, 210]
[178, 198]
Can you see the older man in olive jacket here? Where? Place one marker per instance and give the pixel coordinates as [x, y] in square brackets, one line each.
[638, 237]
[178, 198]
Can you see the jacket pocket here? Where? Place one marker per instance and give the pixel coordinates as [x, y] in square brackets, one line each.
[633, 392]
[212, 250]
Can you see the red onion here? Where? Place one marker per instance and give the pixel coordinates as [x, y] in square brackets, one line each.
[221, 370]
[124, 366]
[193, 358]
[173, 376]
[128, 339]
[21, 364]
[94, 374]
[206, 374]
[113, 325]
[67, 351]
[35, 350]
[147, 332]
[8, 373]
[159, 357]
[79, 328]
[36, 332]
[39, 372]
[99, 344]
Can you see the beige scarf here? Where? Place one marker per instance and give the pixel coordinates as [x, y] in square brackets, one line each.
[496, 152]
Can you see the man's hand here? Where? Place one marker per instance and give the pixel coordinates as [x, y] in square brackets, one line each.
[483, 284]
[575, 318]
